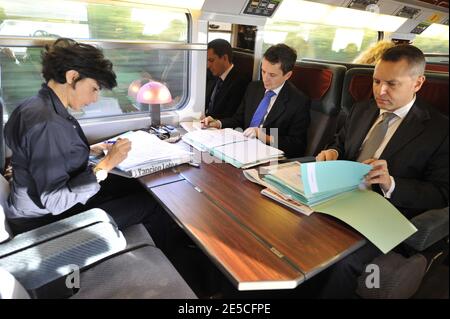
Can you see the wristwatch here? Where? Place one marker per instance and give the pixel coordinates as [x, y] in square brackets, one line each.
[100, 173]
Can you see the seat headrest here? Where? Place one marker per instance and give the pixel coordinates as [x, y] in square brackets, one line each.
[358, 87]
[313, 81]
[435, 91]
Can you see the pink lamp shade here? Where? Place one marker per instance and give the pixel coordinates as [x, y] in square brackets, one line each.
[154, 93]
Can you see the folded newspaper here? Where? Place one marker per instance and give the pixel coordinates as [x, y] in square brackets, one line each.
[148, 155]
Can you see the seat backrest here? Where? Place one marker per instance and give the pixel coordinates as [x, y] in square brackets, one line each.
[358, 87]
[244, 62]
[435, 91]
[322, 83]
[54, 230]
[39, 265]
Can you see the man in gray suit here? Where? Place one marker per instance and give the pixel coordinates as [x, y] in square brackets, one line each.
[406, 143]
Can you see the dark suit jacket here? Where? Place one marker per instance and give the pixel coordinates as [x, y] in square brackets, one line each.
[229, 96]
[417, 154]
[290, 114]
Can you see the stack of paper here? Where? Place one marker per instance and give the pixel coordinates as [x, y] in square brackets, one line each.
[149, 154]
[332, 188]
[232, 147]
[313, 183]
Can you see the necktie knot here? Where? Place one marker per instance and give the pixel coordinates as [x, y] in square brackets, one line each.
[376, 137]
[387, 116]
[269, 94]
[261, 111]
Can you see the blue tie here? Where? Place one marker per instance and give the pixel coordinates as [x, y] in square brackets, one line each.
[262, 109]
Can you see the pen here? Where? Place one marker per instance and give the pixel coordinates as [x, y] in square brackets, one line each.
[197, 165]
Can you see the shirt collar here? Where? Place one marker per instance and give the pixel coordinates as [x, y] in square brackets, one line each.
[225, 74]
[402, 111]
[277, 90]
[57, 104]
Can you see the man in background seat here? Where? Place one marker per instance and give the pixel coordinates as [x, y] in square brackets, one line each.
[225, 90]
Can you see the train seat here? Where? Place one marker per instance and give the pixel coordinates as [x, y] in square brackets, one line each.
[112, 264]
[244, 62]
[322, 83]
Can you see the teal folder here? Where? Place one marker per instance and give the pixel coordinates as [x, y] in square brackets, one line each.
[332, 188]
[313, 183]
[332, 176]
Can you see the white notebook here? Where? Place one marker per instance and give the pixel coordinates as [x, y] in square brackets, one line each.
[233, 147]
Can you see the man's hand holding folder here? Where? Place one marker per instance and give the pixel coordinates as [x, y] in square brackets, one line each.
[378, 175]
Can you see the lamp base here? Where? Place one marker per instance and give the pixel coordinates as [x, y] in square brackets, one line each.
[167, 133]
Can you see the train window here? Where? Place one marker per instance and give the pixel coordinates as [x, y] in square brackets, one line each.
[320, 31]
[434, 40]
[143, 42]
[319, 41]
[167, 66]
[91, 21]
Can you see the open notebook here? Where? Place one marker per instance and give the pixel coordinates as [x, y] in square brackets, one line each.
[232, 147]
[148, 155]
[332, 188]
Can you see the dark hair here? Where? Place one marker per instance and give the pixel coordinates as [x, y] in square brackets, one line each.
[281, 53]
[221, 47]
[410, 53]
[66, 54]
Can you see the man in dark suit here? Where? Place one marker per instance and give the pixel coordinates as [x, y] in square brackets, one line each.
[224, 91]
[406, 143]
[273, 109]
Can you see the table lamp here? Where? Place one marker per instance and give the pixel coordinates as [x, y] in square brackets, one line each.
[154, 94]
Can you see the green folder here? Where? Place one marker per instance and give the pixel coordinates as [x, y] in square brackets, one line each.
[332, 188]
[370, 214]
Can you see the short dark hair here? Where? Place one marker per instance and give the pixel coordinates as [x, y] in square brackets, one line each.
[281, 53]
[413, 55]
[221, 47]
[66, 54]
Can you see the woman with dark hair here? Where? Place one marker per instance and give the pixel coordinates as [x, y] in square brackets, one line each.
[52, 178]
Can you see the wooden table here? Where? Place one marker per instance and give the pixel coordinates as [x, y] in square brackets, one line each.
[255, 241]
